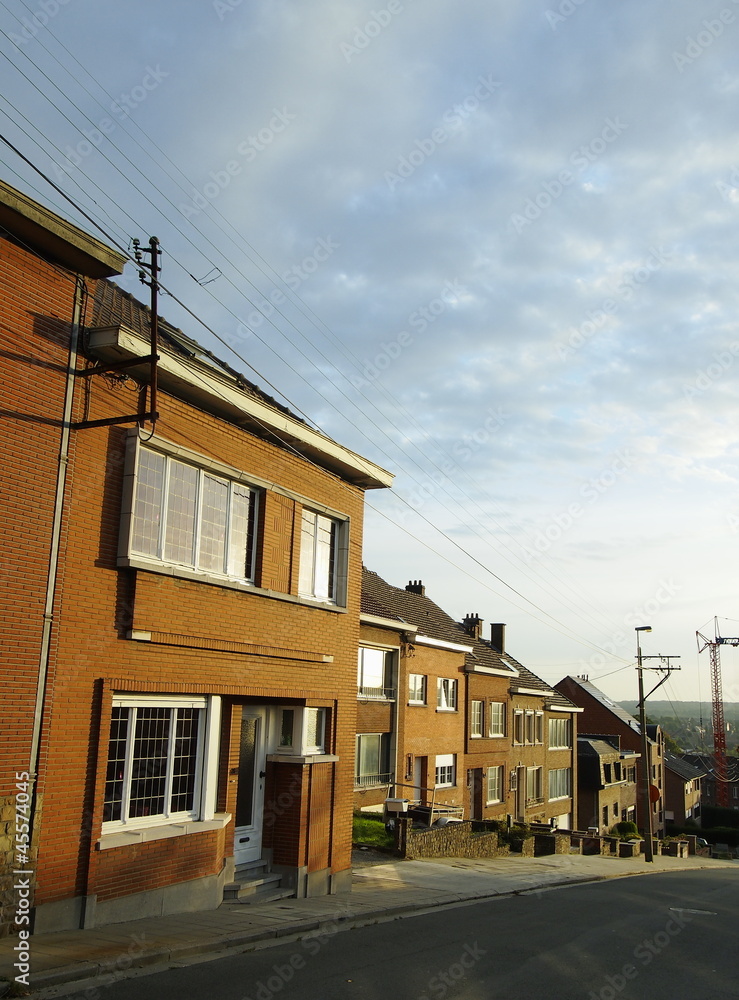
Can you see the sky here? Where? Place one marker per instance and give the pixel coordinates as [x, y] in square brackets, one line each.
[490, 245]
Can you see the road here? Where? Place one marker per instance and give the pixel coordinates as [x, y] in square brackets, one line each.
[657, 937]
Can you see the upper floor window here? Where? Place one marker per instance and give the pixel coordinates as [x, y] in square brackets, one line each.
[518, 726]
[446, 695]
[319, 546]
[560, 783]
[417, 689]
[560, 734]
[476, 718]
[375, 673]
[496, 721]
[187, 516]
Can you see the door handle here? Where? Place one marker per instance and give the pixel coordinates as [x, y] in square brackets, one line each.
[262, 774]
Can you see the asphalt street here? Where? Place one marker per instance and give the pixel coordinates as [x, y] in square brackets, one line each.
[657, 937]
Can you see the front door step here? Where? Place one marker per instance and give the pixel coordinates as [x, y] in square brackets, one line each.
[254, 883]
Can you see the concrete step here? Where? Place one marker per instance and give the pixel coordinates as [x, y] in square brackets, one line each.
[254, 882]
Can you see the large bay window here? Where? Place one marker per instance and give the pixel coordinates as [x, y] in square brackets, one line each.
[191, 517]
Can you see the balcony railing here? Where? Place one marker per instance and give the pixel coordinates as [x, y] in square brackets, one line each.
[376, 693]
[373, 780]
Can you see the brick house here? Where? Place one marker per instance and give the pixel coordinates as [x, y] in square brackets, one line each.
[602, 715]
[459, 722]
[683, 782]
[607, 783]
[194, 652]
[706, 764]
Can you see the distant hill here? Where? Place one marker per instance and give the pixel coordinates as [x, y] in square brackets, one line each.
[689, 723]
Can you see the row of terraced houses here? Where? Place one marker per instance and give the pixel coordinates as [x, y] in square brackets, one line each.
[201, 680]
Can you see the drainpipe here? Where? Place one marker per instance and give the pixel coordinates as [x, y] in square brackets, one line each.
[56, 529]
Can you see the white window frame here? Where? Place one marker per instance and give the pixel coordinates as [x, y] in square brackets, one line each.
[385, 690]
[205, 784]
[560, 733]
[161, 561]
[496, 718]
[446, 694]
[534, 783]
[539, 728]
[445, 770]
[495, 780]
[560, 783]
[383, 757]
[476, 719]
[413, 686]
[529, 731]
[519, 733]
[295, 727]
[323, 562]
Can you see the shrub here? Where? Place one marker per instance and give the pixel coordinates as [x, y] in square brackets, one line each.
[626, 831]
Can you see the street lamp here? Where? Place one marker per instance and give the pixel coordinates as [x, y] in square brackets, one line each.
[648, 855]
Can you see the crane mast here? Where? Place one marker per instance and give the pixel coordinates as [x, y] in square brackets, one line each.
[719, 724]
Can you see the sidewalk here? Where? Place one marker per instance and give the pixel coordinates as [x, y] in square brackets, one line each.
[379, 892]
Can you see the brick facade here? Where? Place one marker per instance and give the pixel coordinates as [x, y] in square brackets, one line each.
[124, 629]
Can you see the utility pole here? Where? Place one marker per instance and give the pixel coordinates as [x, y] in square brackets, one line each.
[646, 749]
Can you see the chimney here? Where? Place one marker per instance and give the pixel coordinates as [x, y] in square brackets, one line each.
[473, 625]
[497, 636]
[416, 587]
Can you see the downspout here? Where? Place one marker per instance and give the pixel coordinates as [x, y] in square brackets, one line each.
[56, 530]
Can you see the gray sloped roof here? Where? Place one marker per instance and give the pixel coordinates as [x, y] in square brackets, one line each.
[707, 765]
[383, 600]
[112, 306]
[607, 702]
[682, 768]
[591, 746]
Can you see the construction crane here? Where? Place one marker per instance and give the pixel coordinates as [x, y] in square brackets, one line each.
[719, 725]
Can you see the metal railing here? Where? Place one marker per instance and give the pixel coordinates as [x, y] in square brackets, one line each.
[373, 780]
[376, 693]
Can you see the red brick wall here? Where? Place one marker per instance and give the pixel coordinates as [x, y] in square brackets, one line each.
[98, 603]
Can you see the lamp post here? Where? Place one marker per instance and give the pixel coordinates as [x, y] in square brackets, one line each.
[648, 855]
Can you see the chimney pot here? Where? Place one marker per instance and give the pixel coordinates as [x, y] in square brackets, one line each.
[416, 587]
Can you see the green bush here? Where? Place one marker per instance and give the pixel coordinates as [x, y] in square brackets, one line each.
[626, 831]
[719, 816]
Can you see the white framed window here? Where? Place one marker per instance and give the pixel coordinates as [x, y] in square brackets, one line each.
[495, 779]
[319, 557]
[539, 727]
[496, 718]
[188, 516]
[560, 783]
[529, 727]
[560, 734]
[445, 770]
[476, 718]
[162, 754]
[518, 726]
[372, 767]
[446, 694]
[417, 689]
[302, 731]
[375, 673]
[534, 794]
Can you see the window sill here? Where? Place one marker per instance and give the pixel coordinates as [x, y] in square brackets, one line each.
[416, 704]
[446, 710]
[289, 758]
[130, 838]
[197, 576]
